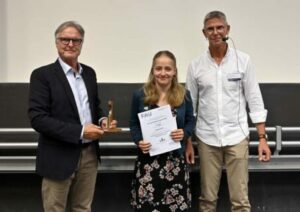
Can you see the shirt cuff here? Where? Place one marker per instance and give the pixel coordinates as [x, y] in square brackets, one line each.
[81, 135]
[84, 141]
[258, 117]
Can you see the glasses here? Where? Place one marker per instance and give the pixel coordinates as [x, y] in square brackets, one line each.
[66, 41]
[212, 29]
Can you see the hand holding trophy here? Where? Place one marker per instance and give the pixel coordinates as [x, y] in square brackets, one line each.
[111, 124]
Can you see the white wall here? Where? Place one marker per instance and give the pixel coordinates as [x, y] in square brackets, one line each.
[123, 35]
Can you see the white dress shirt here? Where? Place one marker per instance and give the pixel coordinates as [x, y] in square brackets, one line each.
[80, 94]
[220, 94]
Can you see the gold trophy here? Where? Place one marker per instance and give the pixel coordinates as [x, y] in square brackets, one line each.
[110, 118]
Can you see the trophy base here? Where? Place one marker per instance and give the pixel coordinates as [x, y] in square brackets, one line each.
[112, 130]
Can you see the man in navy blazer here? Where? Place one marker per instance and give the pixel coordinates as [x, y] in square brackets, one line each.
[64, 109]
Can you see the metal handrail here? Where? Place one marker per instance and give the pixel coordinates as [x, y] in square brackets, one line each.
[126, 129]
[278, 144]
[26, 164]
[31, 130]
[122, 144]
[33, 145]
[124, 163]
[128, 144]
[291, 129]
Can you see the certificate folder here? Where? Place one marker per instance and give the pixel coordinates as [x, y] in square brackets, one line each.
[156, 125]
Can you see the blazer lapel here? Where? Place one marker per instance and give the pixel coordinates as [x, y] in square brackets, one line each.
[63, 79]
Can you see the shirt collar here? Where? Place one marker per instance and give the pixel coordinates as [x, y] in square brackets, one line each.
[228, 53]
[66, 68]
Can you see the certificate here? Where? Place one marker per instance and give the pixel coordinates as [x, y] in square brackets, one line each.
[156, 125]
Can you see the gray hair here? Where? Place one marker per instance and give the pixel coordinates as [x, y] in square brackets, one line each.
[67, 24]
[215, 14]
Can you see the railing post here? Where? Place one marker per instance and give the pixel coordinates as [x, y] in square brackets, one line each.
[278, 140]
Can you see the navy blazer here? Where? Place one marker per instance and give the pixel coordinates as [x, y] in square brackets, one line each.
[53, 114]
[184, 116]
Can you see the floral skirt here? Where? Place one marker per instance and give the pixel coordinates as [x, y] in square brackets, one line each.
[161, 183]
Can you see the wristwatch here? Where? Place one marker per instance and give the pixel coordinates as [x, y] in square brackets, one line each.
[265, 136]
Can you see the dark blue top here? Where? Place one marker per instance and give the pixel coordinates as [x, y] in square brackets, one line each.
[184, 117]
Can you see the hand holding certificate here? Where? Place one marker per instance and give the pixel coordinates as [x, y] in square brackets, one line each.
[156, 125]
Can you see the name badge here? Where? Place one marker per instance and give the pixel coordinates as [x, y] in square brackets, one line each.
[235, 76]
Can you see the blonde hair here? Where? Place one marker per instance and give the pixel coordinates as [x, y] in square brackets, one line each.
[176, 93]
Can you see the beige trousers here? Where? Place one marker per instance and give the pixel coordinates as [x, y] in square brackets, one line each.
[78, 189]
[235, 160]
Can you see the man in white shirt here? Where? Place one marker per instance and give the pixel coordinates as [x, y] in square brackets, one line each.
[222, 81]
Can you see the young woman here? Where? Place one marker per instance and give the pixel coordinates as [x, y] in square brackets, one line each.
[161, 183]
